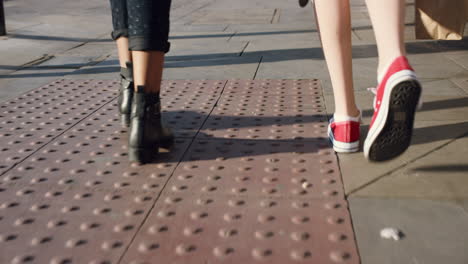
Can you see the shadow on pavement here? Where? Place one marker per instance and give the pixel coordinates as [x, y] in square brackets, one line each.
[425, 135]
[214, 148]
[266, 33]
[443, 168]
[55, 38]
[233, 58]
[431, 106]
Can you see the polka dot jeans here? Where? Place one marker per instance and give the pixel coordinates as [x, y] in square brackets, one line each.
[144, 22]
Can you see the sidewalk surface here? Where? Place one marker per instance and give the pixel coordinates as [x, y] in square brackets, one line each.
[245, 83]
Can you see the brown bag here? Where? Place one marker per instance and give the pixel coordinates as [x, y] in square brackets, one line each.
[441, 19]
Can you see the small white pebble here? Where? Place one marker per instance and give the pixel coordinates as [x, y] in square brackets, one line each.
[390, 233]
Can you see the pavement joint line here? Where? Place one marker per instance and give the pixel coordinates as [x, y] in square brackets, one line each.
[77, 46]
[458, 86]
[98, 60]
[35, 62]
[168, 179]
[245, 47]
[454, 61]
[57, 136]
[355, 34]
[47, 57]
[258, 67]
[231, 36]
[193, 11]
[357, 189]
[273, 17]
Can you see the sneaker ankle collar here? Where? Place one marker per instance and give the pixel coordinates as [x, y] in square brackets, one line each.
[343, 118]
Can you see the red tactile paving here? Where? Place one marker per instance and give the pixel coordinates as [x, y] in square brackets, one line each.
[251, 178]
[62, 225]
[273, 87]
[257, 168]
[223, 229]
[35, 118]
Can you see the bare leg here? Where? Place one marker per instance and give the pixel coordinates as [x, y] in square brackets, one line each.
[334, 20]
[147, 69]
[388, 22]
[124, 54]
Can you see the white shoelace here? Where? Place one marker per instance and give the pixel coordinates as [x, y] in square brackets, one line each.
[374, 91]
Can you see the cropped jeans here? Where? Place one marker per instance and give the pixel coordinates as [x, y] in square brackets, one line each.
[144, 22]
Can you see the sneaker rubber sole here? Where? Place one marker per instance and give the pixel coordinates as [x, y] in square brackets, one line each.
[395, 136]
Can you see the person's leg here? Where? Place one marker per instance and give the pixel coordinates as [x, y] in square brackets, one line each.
[334, 21]
[120, 35]
[388, 22]
[148, 68]
[398, 90]
[148, 41]
[149, 32]
[125, 56]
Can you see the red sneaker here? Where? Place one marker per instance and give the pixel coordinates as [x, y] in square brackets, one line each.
[397, 97]
[344, 133]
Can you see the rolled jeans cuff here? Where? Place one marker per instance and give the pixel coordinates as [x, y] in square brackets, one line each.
[119, 33]
[141, 43]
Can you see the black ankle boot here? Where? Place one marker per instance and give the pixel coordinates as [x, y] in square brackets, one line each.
[147, 133]
[126, 94]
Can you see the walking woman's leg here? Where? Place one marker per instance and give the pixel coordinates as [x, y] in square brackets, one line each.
[333, 17]
[148, 41]
[388, 22]
[125, 56]
[148, 69]
[120, 35]
[334, 21]
[398, 91]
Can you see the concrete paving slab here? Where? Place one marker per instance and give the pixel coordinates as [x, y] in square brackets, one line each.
[432, 231]
[434, 87]
[64, 28]
[194, 49]
[427, 138]
[461, 82]
[368, 34]
[279, 37]
[435, 66]
[243, 67]
[234, 16]
[106, 70]
[201, 35]
[273, 27]
[197, 28]
[442, 174]
[92, 50]
[461, 58]
[296, 15]
[285, 49]
[286, 67]
[17, 51]
[182, 12]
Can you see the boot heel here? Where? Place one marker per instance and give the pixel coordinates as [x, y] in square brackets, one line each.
[125, 120]
[142, 155]
[166, 143]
